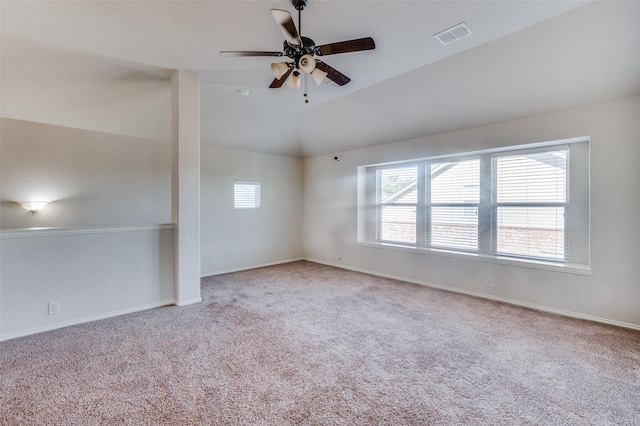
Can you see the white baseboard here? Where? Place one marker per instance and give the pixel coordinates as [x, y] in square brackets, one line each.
[87, 319]
[562, 312]
[187, 301]
[246, 268]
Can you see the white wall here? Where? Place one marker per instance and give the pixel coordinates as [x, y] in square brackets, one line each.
[103, 262]
[100, 262]
[611, 293]
[93, 272]
[241, 239]
[92, 178]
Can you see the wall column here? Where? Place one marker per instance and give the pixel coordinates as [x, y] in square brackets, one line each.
[185, 184]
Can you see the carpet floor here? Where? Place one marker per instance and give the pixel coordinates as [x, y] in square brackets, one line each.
[307, 344]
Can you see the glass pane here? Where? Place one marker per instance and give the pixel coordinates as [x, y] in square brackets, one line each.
[454, 227]
[398, 185]
[455, 182]
[535, 177]
[398, 224]
[531, 231]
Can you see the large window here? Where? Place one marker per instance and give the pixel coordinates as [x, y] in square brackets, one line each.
[526, 202]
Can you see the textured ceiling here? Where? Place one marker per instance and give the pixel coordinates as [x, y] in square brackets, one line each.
[104, 65]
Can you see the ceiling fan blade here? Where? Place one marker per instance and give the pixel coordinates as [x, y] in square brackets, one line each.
[249, 53]
[287, 26]
[356, 45]
[276, 83]
[333, 74]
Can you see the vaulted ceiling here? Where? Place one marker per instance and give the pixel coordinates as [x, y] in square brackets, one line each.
[105, 66]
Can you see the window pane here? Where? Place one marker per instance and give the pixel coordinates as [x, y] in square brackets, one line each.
[398, 185]
[246, 195]
[398, 224]
[455, 182]
[534, 177]
[531, 231]
[454, 227]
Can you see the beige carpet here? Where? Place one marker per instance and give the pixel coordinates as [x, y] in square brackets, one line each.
[306, 344]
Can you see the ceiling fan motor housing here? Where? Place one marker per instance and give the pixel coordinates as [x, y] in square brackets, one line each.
[299, 4]
[295, 52]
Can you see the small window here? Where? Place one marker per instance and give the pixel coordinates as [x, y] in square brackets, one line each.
[246, 195]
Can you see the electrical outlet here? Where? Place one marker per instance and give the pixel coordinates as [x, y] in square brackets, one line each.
[54, 308]
[488, 282]
[212, 263]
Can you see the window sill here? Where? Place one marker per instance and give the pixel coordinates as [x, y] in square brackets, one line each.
[569, 268]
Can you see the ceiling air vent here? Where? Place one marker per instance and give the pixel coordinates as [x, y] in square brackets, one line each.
[454, 33]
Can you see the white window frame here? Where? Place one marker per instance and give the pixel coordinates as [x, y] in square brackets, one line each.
[577, 210]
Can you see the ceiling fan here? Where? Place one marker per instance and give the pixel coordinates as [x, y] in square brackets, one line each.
[301, 51]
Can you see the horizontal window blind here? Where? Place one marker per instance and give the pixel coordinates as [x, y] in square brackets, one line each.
[452, 205]
[246, 195]
[536, 232]
[534, 177]
[454, 227]
[398, 185]
[398, 224]
[455, 182]
[398, 196]
[530, 204]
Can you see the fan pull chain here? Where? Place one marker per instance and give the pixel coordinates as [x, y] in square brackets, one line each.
[306, 96]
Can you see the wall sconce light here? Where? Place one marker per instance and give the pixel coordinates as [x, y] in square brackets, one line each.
[33, 206]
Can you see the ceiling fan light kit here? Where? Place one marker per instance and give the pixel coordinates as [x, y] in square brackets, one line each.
[279, 69]
[294, 81]
[318, 76]
[302, 51]
[307, 64]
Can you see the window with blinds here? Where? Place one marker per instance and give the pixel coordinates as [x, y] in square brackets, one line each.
[453, 197]
[530, 203]
[504, 202]
[397, 196]
[246, 195]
